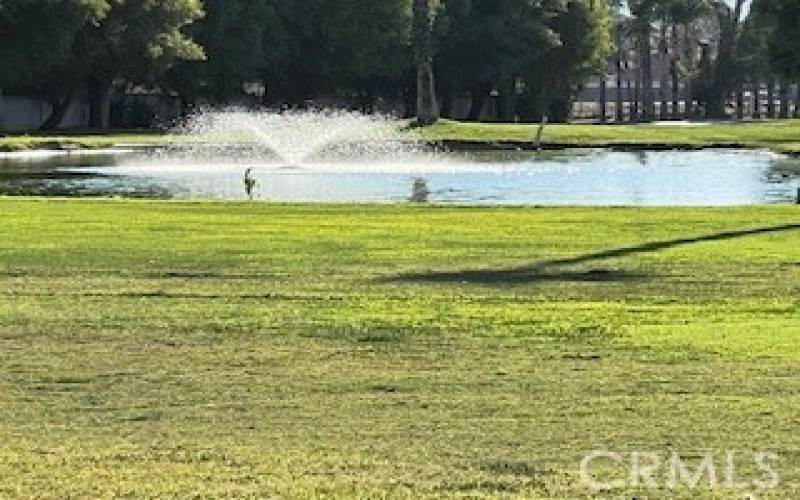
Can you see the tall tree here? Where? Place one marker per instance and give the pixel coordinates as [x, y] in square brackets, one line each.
[352, 49]
[685, 17]
[484, 45]
[722, 73]
[781, 25]
[534, 54]
[643, 13]
[427, 108]
[582, 45]
[236, 39]
[619, 27]
[367, 44]
[132, 40]
[32, 44]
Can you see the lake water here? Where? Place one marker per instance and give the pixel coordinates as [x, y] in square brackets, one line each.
[711, 177]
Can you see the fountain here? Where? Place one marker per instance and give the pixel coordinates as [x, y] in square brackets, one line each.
[293, 139]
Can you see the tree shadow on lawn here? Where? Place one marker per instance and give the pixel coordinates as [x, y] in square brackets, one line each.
[550, 270]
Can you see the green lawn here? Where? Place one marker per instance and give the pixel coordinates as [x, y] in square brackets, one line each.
[781, 136]
[86, 141]
[210, 350]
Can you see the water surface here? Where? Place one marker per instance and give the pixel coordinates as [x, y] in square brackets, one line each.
[711, 177]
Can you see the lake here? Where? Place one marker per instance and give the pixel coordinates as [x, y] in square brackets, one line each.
[591, 177]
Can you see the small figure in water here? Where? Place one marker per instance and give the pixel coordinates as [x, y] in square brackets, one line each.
[249, 183]
[419, 191]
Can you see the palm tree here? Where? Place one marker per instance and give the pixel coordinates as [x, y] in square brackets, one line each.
[685, 14]
[725, 71]
[643, 12]
[619, 28]
[427, 109]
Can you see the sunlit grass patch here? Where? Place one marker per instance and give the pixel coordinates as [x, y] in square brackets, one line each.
[256, 350]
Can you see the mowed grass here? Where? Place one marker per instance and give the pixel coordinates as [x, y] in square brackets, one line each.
[210, 350]
[778, 135]
[26, 142]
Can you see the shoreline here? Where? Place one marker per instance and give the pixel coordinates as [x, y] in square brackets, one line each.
[624, 147]
[447, 145]
[777, 136]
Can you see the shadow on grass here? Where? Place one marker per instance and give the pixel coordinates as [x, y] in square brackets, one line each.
[549, 270]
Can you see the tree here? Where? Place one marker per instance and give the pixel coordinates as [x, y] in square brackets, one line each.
[427, 108]
[236, 38]
[581, 50]
[685, 15]
[302, 50]
[485, 44]
[367, 46]
[535, 54]
[619, 29]
[643, 13]
[131, 40]
[781, 26]
[36, 35]
[720, 75]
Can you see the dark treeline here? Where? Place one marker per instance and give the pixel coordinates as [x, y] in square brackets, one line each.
[530, 57]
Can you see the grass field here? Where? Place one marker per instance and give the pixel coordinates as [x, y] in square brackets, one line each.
[164, 349]
[86, 141]
[781, 136]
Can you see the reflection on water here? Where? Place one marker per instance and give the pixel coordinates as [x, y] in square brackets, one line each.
[48, 174]
[419, 190]
[588, 178]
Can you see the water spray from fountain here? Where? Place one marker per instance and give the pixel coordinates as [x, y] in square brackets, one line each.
[293, 139]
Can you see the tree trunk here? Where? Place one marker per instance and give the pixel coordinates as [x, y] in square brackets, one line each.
[427, 110]
[448, 103]
[99, 104]
[740, 103]
[646, 60]
[725, 76]
[676, 93]
[188, 103]
[664, 80]
[757, 99]
[479, 97]
[409, 102]
[60, 106]
[603, 97]
[688, 88]
[785, 100]
[673, 73]
[508, 101]
[619, 105]
[771, 98]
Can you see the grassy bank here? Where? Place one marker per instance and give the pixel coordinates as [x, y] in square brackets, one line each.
[781, 136]
[80, 141]
[163, 349]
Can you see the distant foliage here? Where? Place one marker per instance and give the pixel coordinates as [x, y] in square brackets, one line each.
[533, 54]
[52, 48]
[781, 21]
